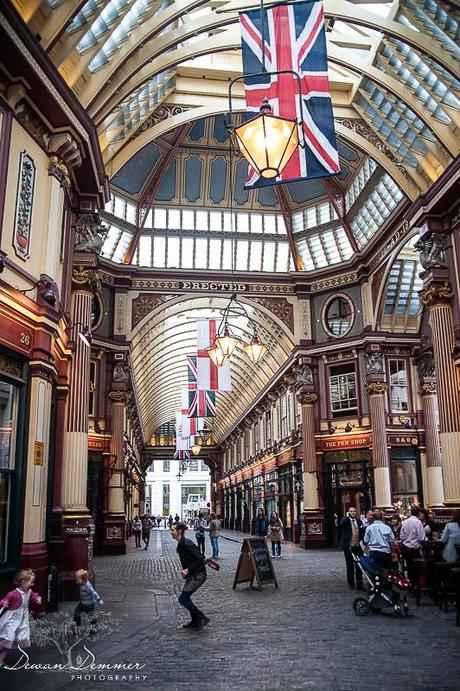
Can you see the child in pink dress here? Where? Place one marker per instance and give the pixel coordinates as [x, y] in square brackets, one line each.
[14, 622]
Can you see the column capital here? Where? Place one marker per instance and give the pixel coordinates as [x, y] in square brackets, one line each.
[118, 396]
[428, 389]
[42, 369]
[436, 292]
[86, 279]
[306, 397]
[376, 387]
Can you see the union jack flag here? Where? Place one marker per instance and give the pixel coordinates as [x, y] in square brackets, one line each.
[200, 403]
[294, 40]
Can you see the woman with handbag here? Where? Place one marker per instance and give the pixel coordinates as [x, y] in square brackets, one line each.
[275, 534]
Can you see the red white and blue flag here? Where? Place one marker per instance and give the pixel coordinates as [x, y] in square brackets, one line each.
[201, 403]
[210, 377]
[186, 428]
[294, 40]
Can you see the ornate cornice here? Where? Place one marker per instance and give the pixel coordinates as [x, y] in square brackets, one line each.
[306, 397]
[376, 387]
[436, 292]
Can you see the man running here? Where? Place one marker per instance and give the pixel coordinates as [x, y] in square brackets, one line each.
[193, 572]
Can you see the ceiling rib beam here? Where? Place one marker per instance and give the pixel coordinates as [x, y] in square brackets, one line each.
[287, 215]
[148, 195]
[337, 199]
[140, 69]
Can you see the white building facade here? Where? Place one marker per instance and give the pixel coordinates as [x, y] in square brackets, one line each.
[169, 485]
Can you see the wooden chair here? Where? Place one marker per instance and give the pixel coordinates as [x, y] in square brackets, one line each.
[424, 578]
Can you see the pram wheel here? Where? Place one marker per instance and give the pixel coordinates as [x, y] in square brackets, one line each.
[360, 606]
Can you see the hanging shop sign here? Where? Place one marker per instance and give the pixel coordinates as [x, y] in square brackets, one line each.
[360, 441]
[402, 440]
[255, 564]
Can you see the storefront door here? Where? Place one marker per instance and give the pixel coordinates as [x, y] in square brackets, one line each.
[347, 482]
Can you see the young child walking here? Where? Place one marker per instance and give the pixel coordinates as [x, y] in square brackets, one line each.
[88, 597]
[14, 622]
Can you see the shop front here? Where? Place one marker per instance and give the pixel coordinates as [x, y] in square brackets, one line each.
[347, 480]
[13, 392]
[286, 500]
[257, 497]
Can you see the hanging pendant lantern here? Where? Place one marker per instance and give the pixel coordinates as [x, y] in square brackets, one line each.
[216, 355]
[255, 349]
[267, 141]
[227, 342]
[196, 448]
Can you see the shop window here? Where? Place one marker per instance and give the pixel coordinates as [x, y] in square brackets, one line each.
[342, 383]
[166, 498]
[92, 389]
[284, 416]
[193, 465]
[8, 431]
[256, 432]
[166, 466]
[247, 438]
[268, 427]
[398, 386]
[404, 478]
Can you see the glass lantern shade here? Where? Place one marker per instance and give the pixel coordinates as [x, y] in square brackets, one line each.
[255, 349]
[216, 355]
[226, 343]
[196, 448]
[267, 142]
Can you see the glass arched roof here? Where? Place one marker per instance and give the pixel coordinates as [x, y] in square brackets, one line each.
[142, 68]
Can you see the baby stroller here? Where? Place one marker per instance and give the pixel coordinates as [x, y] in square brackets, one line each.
[385, 589]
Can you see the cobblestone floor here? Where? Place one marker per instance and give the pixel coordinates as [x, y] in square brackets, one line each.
[302, 636]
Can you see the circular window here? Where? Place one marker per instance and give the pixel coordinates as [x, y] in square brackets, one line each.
[338, 316]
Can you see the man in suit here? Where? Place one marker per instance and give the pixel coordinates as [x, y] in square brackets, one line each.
[352, 532]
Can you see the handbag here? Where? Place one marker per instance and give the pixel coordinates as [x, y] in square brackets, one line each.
[212, 564]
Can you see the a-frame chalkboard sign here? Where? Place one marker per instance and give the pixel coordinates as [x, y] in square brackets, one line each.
[255, 563]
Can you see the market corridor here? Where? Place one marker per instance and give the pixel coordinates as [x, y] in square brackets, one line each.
[304, 635]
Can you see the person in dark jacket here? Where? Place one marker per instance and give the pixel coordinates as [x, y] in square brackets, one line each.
[261, 523]
[194, 574]
[351, 533]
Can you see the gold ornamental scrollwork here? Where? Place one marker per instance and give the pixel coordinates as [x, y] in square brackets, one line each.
[118, 396]
[376, 387]
[428, 389]
[436, 292]
[306, 397]
[86, 277]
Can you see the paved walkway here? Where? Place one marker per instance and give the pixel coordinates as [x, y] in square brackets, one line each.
[302, 636]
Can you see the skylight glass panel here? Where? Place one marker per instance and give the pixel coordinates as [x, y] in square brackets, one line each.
[187, 254]
[256, 256]
[242, 251]
[159, 252]
[201, 253]
[215, 220]
[145, 250]
[215, 250]
[269, 256]
[122, 246]
[269, 223]
[376, 209]
[283, 257]
[173, 256]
